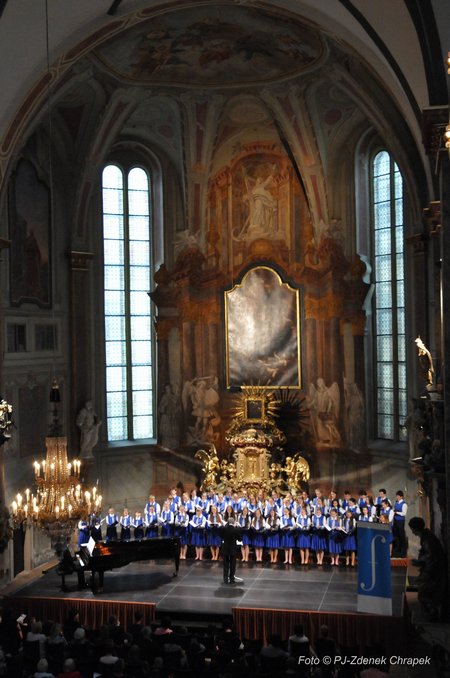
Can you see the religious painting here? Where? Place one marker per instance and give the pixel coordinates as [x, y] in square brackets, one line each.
[29, 227]
[212, 45]
[262, 332]
[254, 409]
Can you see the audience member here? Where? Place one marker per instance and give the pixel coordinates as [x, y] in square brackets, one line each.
[70, 670]
[42, 670]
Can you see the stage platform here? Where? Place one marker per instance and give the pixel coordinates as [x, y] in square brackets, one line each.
[198, 589]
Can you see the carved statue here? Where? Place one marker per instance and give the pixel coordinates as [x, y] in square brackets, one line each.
[88, 423]
[169, 412]
[211, 466]
[228, 473]
[297, 471]
[354, 419]
[201, 396]
[426, 362]
[262, 206]
[324, 404]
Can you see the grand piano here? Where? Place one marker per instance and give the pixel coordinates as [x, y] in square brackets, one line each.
[109, 555]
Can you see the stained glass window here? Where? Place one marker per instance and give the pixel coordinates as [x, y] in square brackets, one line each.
[389, 298]
[128, 330]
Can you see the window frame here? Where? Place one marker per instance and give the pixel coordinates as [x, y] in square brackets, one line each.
[125, 167]
[399, 433]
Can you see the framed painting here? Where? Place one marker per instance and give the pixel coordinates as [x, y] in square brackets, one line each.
[262, 333]
[29, 227]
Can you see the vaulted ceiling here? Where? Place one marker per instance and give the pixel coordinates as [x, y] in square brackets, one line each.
[224, 44]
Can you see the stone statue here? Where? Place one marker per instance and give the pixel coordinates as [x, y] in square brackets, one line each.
[88, 423]
[200, 399]
[354, 419]
[431, 561]
[324, 404]
[169, 414]
[426, 363]
[261, 204]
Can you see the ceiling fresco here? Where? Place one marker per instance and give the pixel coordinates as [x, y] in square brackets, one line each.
[210, 46]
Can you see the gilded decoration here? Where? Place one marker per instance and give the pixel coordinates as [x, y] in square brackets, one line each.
[253, 437]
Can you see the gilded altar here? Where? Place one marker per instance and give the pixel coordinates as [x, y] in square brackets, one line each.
[253, 437]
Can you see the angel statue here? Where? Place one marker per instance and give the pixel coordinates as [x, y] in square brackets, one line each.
[302, 471]
[324, 405]
[211, 466]
[200, 398]
[228, 470]
[426, 363]
[297, 471]
[289, 469]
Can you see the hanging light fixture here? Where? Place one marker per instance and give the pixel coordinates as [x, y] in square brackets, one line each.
[60, 500]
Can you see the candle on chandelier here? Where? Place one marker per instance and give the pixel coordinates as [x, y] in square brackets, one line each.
[19, 500]
[37, 469]
[14, 507]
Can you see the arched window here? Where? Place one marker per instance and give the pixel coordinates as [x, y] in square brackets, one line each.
[389, 298]
[128, 327]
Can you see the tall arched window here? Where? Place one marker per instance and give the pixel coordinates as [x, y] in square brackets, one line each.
[128, 329]
[389, 297]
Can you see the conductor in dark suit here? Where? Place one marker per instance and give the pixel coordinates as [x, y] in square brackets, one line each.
[231, 535]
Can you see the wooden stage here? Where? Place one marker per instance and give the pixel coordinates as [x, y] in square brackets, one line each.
[272, 598]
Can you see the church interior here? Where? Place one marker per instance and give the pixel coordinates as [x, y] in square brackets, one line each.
[224, 235]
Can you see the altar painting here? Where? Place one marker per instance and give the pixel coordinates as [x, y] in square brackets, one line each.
[262, 331]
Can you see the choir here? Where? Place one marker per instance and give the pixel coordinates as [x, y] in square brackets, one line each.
[316, 526]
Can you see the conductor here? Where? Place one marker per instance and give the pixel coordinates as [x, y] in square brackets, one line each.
[231, 536]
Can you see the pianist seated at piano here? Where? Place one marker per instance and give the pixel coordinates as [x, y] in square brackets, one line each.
[97, 558]
[125, 526]
[138, 525]
[112, 521]
[151, 522]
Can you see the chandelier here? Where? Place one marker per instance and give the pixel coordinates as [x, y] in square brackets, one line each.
[60, 499]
